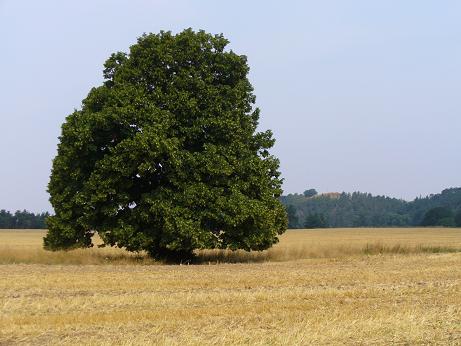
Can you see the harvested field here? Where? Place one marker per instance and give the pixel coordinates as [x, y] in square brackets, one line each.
[345, 286]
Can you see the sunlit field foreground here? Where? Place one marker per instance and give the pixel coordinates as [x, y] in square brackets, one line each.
[25, 247]
[343, 286]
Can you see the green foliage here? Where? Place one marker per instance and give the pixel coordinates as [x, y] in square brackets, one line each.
[310, 193]
[315, 221]
[364, 210]
[165, 157]
[450, 198]
[439, 216]
[22, 220]
[350, 210]
[458, 219]
[293, 220]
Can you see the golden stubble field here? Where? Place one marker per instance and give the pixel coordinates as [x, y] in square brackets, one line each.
[328, 287]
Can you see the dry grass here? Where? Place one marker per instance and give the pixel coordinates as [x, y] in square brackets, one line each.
[346, 242]
[405, 294]
[25, 246]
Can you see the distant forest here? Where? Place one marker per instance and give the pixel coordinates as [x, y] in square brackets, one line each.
[313, 210]
[22, 219]
[357, 209]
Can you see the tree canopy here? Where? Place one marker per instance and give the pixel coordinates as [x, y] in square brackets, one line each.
[365, 210]
[165, 156]
[310, 193]
[458, 218]
[292, 218]
[22, 220]
[315, 221]
[438, 216]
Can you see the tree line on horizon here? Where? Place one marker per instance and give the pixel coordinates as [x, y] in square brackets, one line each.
[331, 210]
[22, 220]
[358, 209]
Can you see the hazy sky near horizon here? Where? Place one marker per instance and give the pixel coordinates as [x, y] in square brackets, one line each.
[361, 95]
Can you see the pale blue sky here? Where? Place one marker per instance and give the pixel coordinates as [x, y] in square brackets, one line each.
[361, 95]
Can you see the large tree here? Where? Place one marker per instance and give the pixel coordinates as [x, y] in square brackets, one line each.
[165, 155]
